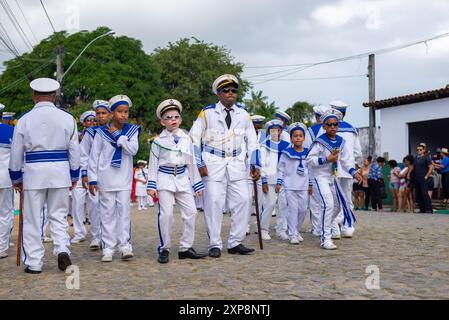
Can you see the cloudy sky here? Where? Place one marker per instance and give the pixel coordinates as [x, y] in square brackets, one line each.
[263, 33]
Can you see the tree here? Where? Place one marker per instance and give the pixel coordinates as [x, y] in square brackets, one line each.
[188, 68]
[110, 66]
[302, 111]
[258, 104]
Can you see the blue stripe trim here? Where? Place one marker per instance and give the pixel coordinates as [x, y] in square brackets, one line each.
[46, 156]
[92, 183]
[83, 173]
[171, 170]
[264, 180]
[151, 185]
[5, 145]
[75, 175]
[16, 176]
[159, 227]
[21, 227]
[280, 181]
[119, 103]
[199, 186]
[352, 172]
[324, 212]
[221, 153]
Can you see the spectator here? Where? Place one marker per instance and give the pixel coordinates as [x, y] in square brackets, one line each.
[422, 170]
[365, 172]
[375, 183]
[358, 192]
[394, 182]
[405, 195]
[443, 166]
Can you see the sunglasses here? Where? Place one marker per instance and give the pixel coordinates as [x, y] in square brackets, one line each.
[227, 90]
[172, 117]
[332, 124]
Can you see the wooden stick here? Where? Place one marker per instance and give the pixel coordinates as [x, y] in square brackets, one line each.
[256, 199]
[19, 240]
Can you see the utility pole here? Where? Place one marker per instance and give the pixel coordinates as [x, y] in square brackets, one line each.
[372, 110]
[59, 73]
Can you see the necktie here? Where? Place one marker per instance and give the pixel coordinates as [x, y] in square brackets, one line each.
[176, 139]
[228, 118]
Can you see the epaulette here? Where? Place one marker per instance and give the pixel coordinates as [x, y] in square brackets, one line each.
[240, 106]
[212, 106]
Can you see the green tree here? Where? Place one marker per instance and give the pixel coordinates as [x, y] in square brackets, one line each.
[258, 104]
[188, 68]
[302, 111]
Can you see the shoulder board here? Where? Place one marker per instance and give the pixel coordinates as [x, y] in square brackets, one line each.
[240, 106]
[212, 106]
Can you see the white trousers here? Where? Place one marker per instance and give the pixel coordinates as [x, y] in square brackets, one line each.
[330, 207]
[346, 185]
[79, 200]
[93, 207]
[281, 215]
[260, 196]
[6, 217]
[186, 203]
[57, 201]
[142, 201]
[45, 222]
[296, 211]
[115, 213]
[269, 203]
[315, 209]
[235, 194]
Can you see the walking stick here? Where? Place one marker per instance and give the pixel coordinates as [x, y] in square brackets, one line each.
[256, 199]
[19, 240]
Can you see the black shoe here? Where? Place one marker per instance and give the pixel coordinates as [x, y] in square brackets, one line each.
[163, 256]
[240, 249]
[191, 254]
[27, 270]
[63, 261]
[215, 253]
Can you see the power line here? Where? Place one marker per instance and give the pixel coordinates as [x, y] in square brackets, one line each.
[321, 78]
[16, 24]
[26, 21]
[48, 17]
[7, 42]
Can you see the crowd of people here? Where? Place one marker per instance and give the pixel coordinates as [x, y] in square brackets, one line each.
[218, 166]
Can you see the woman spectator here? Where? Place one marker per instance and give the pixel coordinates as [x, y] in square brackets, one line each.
[358, 192]
[405, 195]
[365, 172]
[394, 182]
[375, 183]
[443, 166]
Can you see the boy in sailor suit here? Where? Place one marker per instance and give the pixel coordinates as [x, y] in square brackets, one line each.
[110, 173]
[345, 180]
[45, 145]
[102, 114]
[224, 136]
[80, 194]
[171, 156]
[270, 152]
[328, 154]
[6, 191]
[293, 177]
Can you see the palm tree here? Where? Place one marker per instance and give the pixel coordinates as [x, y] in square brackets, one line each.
[258, 104]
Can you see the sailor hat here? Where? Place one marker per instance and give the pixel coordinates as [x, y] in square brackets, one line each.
[119, 100]
[166, 105]
[223, 81]
[44, 85]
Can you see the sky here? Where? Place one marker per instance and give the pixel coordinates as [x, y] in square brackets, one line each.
[267, 33]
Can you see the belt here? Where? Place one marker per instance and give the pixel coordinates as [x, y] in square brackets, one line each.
[222, 153]
[46, 156]
[173, 170]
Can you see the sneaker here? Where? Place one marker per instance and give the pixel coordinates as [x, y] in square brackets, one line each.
[107, 257]
[265, 235]
[300, 239]
[283, 236]
[294, 240]
[47, 239]
[3, 254]
[316, 234]
[336, 237]
[95, 245]
[127, 254]
[77, 240]
[329, 246]
[347, 234]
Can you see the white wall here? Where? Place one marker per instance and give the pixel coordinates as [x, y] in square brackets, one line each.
[394, 133]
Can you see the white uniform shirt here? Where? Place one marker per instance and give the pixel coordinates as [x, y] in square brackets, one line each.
[352, 141]
[166, 156]
[85, 149]
[225, 151]
[269, 157]
[6, 133]
[101, 172]
[288, 175]
[45, 145]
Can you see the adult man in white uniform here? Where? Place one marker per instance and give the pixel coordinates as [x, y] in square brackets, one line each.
[45, 146]
[224, 136]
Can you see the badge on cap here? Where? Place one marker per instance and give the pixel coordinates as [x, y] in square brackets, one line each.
[223, 81]
[120, 100]
[168, 105]
[101, 104]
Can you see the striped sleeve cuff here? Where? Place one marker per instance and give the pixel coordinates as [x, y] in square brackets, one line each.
[322, 161]
[264, 180]
[151, 185]
[310, 183]
[199, 186]
[201, 164]
[280, 182]
[92, 183]
[83, 173]
[16, 176]
[75, 175]
[352, 172]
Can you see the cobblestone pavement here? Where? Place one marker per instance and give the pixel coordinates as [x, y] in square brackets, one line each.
[411, 252]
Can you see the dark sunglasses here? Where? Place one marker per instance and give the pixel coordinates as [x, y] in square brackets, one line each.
[172, 117]
[227, 90]
[332, 124]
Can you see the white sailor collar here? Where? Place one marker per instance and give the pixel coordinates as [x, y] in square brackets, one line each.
[44, 104]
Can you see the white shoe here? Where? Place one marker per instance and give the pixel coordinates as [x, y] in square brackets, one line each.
[265, 235]
[294, 240]
[77, 240]
[329, 246]
[3, 254]
[95, 245]
[347, 234]
[106, 258]
[336, 237]
[316, 234]
[283, 236]
[127, 254]
[300, 239]
[47, 240]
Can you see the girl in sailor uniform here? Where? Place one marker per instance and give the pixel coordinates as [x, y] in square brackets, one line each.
[141, 176]
[327, 154]
[270, 152]
[110, 173]
[294, 178]
[173, 176]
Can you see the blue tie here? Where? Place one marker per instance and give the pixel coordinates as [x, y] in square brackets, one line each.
[176, 139]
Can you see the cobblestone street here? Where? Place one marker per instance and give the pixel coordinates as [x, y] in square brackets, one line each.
[411, 252]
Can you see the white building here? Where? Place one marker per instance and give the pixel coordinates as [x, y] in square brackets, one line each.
[412, 119]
